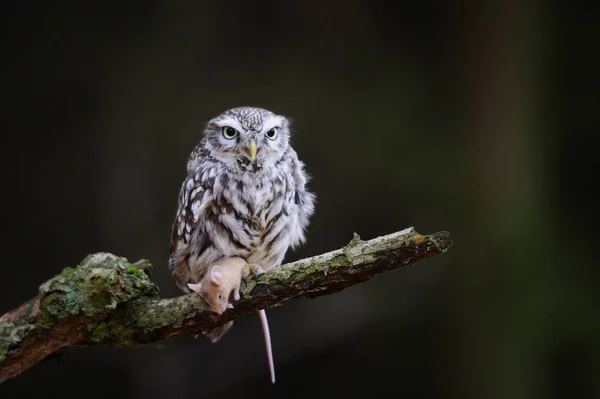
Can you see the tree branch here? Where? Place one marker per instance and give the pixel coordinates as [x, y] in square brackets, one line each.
[107, 300]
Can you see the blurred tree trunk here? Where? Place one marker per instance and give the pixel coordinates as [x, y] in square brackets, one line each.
[500, 312]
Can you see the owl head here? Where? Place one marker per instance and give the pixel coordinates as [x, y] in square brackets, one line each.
[247, 139]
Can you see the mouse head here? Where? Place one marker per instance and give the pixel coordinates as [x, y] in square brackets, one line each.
[213, 290]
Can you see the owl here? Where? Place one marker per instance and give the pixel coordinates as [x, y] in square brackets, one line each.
[244, 195]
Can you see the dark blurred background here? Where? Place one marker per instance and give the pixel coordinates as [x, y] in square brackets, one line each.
[474, 117]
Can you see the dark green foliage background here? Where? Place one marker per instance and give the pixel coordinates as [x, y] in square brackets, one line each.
[474, 117]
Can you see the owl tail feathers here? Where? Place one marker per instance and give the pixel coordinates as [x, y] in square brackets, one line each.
[216, 333]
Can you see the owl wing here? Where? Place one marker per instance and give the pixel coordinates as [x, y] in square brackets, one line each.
[304, 204]
[188, 237]
[188, 212]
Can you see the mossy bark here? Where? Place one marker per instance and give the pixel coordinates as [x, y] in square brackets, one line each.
[108, 300]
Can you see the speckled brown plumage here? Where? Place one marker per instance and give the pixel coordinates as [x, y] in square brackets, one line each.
[232, 204]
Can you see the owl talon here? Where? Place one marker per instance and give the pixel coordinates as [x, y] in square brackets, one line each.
[253, 269]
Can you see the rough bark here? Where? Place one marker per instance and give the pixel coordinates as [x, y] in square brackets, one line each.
[107, 300]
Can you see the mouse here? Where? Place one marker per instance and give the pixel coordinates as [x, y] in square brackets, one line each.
[221, 280]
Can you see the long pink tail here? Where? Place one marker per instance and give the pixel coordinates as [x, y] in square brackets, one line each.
[265, 325]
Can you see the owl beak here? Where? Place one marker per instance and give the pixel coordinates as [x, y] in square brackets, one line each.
[252, 150]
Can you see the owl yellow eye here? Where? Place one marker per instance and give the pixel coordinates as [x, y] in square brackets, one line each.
[229, 132]
[272, 134]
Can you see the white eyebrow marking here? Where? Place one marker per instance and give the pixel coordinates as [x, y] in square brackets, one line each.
[275, 121]
[230, 122]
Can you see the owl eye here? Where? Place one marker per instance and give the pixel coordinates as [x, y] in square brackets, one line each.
[272, 134]
[229, 132]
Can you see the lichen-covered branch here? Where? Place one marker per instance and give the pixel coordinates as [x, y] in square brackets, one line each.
[107, 300]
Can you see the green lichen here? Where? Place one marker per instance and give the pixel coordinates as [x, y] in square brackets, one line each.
[355, 241]
[101, 332]
[337, 262]
[353, 256]
[167, 312]
[69, 272]
[61, 304]
[323, 264]
[11, 334]
[94, 288]
[144, 315]
[4, 340]
[113, 331]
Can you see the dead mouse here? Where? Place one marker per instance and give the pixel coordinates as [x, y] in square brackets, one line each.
[221, 279]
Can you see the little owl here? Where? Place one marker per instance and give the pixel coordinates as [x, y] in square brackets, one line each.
[244, 196]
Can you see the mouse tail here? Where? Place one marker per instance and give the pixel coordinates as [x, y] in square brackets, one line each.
[265, 326]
